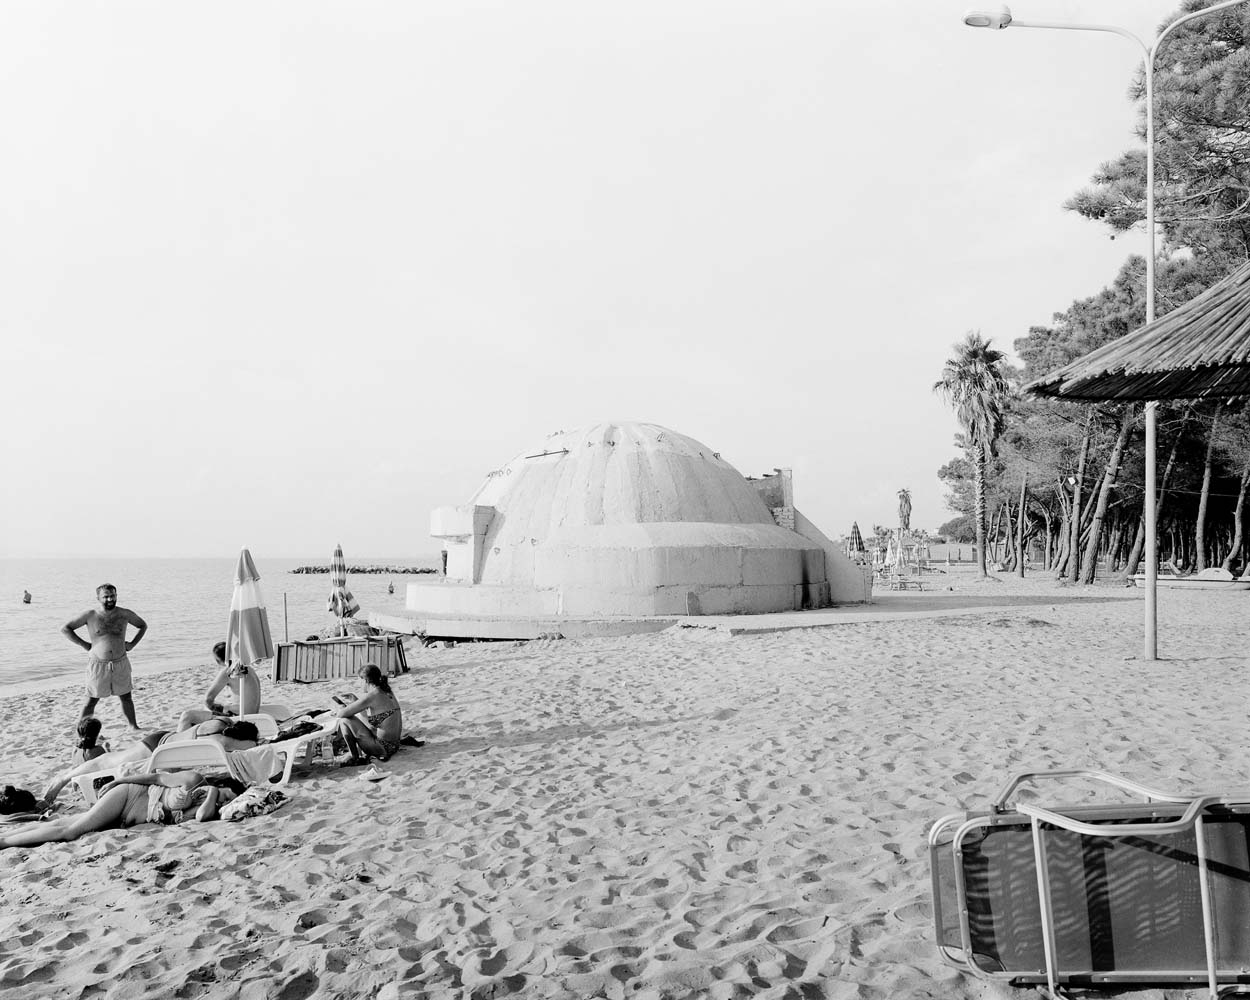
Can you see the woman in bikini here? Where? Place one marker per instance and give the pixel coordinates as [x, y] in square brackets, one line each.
[164, 797]
[231, 735]
[378, 733]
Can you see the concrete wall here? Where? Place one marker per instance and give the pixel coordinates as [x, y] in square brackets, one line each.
[648, 569]
[486, 601]
[462, 530]
[776, 489]
[849, 582]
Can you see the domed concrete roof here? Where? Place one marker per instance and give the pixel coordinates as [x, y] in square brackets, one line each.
[618, 474]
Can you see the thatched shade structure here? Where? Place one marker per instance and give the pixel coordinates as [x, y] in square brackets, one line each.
[1199, 351]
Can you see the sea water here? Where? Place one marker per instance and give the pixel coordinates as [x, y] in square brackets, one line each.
[185, 602]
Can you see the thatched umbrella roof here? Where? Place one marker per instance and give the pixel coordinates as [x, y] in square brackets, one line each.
[1198, 351]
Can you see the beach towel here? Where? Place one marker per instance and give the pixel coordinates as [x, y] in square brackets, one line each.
[255, 766]
[255, 801]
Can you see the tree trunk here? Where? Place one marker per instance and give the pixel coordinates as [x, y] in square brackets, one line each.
[1047, 554]
[1074, 546]
[1200, 541]
[1090, 559]
[1007, 536]
[1024, 496]
[978, 469]
[1134, 553]
[1064, 541]
[1234, 551]
[1113, 546]
[995, 528]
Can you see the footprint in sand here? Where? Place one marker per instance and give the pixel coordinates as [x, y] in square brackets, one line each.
[302, 986]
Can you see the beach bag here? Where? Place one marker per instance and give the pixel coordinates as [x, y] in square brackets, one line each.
[256, 801]
[301, 728]
[16, 800]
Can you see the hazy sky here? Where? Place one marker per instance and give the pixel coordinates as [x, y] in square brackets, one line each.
[291, 274]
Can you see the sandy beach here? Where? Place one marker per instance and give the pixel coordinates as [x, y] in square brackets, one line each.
[683, 814]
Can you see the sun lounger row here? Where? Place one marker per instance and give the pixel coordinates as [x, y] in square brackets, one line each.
[250, 766]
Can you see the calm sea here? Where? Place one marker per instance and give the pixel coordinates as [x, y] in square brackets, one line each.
[185, 602]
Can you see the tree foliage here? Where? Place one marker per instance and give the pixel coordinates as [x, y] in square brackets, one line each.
[1202, 143]
[974, 384]
[1069, 476]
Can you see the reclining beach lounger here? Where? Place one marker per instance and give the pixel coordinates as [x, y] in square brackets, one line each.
[195, 755]
[255, 766]
[289, 750]
[250, 766]
[1097, 896]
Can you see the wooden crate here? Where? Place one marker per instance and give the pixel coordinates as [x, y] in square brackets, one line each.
[329, 659]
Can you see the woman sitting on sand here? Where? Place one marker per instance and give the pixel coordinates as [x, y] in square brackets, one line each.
[88, 741]
[165, 797]
[378, 733]
[231, 736]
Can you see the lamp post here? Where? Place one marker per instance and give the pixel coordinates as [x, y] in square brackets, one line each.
[1000, 18]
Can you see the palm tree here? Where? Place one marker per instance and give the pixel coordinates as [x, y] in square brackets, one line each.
[973, 384]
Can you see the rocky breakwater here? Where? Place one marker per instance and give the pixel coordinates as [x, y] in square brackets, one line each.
[352, 570]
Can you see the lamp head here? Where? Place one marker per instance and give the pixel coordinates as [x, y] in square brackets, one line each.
[999, 18]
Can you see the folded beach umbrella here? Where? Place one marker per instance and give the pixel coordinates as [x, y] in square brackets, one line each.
[247, 637]
[857, 540]
[341, 602]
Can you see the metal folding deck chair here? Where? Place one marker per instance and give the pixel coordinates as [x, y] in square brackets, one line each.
[1097, 896]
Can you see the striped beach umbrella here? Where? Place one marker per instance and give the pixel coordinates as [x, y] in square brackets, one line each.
[341, 602]
[247, 636]
[857, 540]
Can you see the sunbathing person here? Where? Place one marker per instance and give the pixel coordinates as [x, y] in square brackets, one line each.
[242, 681]
[165, 797]
[231, 736]
[379, 732]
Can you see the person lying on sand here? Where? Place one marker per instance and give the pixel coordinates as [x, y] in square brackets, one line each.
[231, 736]
[379, 732]
[243, 682]
[164, 797]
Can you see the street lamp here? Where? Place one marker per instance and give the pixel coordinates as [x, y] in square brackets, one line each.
[1000, 18]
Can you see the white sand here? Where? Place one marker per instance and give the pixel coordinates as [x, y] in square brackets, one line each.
[684, 814]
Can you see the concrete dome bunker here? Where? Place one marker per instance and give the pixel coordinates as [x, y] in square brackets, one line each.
[628, 520]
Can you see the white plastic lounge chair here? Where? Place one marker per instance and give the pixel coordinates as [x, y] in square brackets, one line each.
[89, 784]
[170, 757]
[290, 749]
[266, 725]
[193, 754]
[255, 766]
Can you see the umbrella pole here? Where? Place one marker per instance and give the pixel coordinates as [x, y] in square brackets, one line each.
[286, 630]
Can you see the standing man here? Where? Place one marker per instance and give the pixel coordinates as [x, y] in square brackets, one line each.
[108, 666]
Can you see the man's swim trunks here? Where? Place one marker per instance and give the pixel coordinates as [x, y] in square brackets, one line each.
[106, 678]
